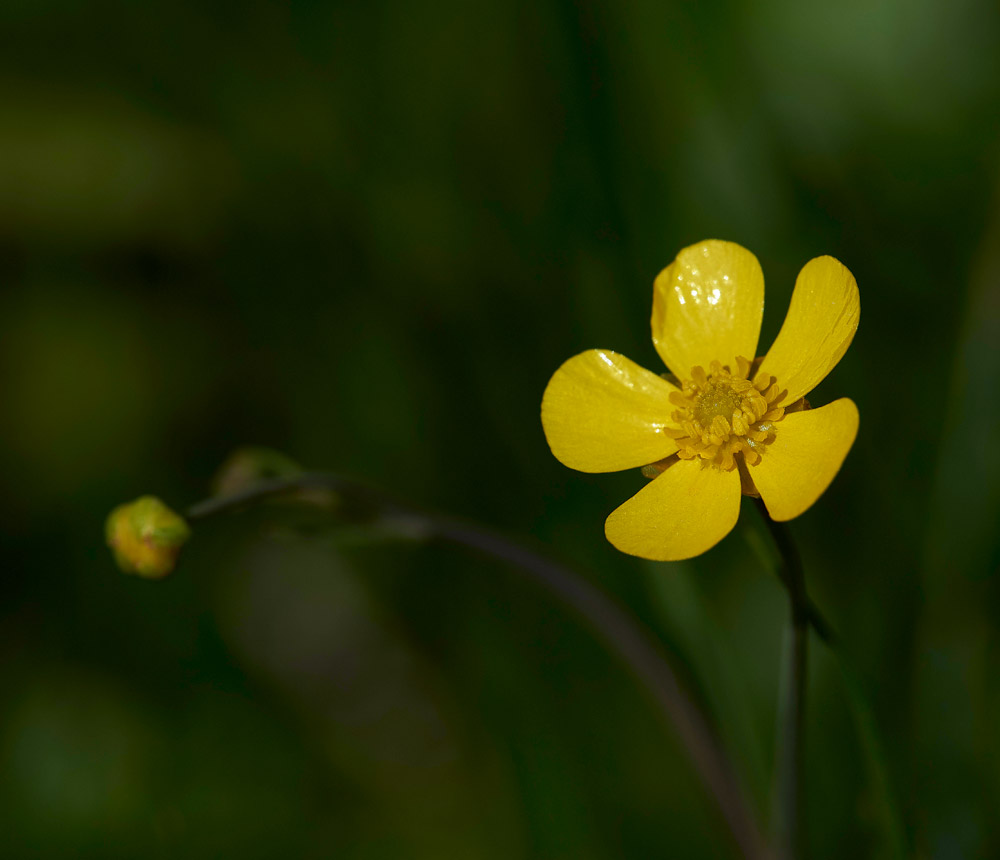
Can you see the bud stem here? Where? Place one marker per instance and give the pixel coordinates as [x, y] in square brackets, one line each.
[624, 634]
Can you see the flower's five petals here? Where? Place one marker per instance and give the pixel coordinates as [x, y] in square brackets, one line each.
[682, 513]
[707, 305]
[601, 412]
[805, 457]
[820, 325]
[720, 431]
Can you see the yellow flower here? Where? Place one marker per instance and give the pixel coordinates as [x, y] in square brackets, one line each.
[723, 423]
[145, 537]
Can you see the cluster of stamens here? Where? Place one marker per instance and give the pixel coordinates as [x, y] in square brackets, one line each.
[722, 414]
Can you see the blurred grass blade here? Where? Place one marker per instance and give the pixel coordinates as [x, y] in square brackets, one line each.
[878, 766]
[706, 646]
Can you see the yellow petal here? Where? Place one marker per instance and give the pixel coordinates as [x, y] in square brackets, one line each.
[601, 412]
[707, 306]
[805, 456]
[681, 514]
[820, 325]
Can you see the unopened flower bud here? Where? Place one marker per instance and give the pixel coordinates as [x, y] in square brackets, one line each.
[250, 465]
[146, 536]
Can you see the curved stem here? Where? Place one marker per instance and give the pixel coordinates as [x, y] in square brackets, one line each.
[791, 750]
[624, 634]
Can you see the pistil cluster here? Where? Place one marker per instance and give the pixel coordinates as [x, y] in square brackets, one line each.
[722, 414]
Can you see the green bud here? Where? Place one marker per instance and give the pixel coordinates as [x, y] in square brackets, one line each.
[250, 465]
[146, 536]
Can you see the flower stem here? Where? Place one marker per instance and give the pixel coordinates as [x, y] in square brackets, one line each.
[620, 631]
[791, 750]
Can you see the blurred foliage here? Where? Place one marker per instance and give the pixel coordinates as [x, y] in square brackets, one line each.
[366, 234]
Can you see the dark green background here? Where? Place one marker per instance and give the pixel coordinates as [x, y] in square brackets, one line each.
[367, 234]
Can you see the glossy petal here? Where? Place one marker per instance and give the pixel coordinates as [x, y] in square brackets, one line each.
[707, 305]
[808, 450]
[681, 514]
[601, 412]
[820, 325]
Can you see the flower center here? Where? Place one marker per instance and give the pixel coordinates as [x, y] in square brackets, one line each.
[719, 399]
[722, 414]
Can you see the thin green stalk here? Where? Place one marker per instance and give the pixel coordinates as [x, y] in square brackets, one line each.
[623, 633]
[897, 843]
[791, 748]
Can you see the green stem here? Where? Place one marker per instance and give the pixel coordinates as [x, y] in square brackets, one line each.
[895, 835]
[791, 751]
[623, 633]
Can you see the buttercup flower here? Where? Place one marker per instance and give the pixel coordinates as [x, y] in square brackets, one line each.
[146, 537]
[722, 423]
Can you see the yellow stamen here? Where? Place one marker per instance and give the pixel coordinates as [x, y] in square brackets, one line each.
[723, 416]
